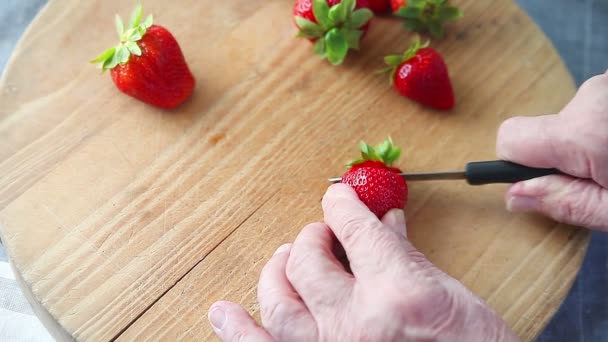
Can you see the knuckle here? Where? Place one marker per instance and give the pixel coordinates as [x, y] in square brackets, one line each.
[595, 90]
[313, 228]
[352, 227]
[576, 205]
[297, 265]
[240, 336]
[273, 314]
[595, 83]
[431, 306]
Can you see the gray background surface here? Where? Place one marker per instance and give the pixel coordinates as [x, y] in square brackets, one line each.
[579, 31]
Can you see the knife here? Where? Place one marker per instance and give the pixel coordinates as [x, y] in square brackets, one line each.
[482, 172]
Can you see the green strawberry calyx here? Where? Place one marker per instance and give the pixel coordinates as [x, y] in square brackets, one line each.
[338, 28]
[129, 37]
[394, 61]
[428, 16]
[385, 152]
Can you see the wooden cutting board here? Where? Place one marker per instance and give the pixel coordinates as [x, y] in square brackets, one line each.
[126, 222]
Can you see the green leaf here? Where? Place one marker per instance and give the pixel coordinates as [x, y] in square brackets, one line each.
[122, 54]
[366, 150]
[353, 37]
[319, 48]
[120, 27]
[336, 46]
[409, 12]
[112, 62]
[416, 3]
[360, 17]
[135, 35]
[413, 24]
[106, 55]
[136, 16]
[383, 148]
[449, 13]
[393, 155]
[107, 63]
[349, 6]
[337, 14]
[436, 29]
[308, 28]
[393, 60]
[320, 9]
[148, 22]
[133, 48]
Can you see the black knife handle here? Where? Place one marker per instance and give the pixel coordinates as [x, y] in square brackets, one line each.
[499, 171]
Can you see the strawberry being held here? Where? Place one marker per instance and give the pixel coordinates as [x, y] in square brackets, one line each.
[421, 74]
[426, 15]
[335, 26]
[148, 63]
[374, 179]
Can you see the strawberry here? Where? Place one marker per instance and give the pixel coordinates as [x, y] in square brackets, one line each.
[421, 75]
[426, 15]
[335, 26]
[380, 6]
[374, 179]
[148, 63]
[397, 4]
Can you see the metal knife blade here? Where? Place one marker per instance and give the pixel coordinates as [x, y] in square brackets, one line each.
[424, 176]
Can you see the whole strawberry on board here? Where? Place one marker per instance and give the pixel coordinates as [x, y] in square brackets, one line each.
[421, 74]
[426, 16]
[397, 4]
[375, 180]
[148, 63]
[334, 26]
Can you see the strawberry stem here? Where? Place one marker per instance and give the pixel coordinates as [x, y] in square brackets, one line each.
[128, 46]
[394, 61]
[338, 28]
[385, 152]
[428, 16]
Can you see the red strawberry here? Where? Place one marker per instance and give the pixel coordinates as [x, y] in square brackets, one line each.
[335, 26]
[422, 75]
[148, 64]
[425, 15]
[397, 4]
[375, 181]
[380, 6]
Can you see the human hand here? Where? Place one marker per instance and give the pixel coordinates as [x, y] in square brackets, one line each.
[393, 293]
[574, 141]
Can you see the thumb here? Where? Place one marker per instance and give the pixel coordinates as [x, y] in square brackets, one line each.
[232, 323]
[573, 201]
[395, 220]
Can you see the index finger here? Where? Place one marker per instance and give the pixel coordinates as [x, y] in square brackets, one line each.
[367, 241]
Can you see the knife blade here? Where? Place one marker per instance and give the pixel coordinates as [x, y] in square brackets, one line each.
[482, 172]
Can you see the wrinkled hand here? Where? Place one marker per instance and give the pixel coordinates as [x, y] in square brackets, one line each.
[393, 293]
[574, 141]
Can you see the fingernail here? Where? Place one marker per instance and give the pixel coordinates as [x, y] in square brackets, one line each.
[395, 217]
[217, 317]
[522, 204]
[283, 248]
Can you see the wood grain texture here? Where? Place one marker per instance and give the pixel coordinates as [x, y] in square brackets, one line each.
[127, 222]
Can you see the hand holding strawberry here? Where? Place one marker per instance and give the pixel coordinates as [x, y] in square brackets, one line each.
[421, 75]
[148, 63]
[335, 26]
[374, 179]
[426, 15]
